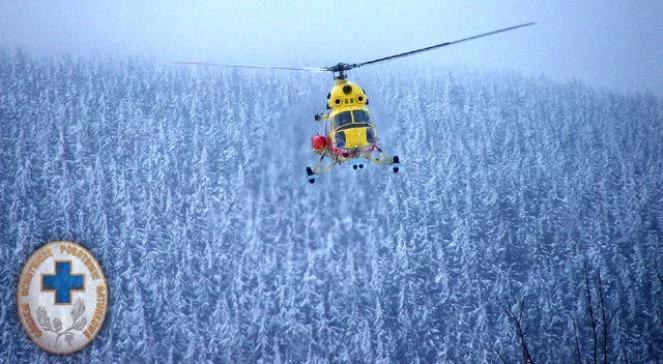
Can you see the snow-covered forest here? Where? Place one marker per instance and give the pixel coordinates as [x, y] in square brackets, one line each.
[527, 220]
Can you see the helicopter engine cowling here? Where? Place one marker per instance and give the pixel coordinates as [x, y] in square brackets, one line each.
[318, 142]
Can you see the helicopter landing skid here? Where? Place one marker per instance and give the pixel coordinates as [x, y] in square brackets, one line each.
[382, 159]
[319, 169]
[385, 159]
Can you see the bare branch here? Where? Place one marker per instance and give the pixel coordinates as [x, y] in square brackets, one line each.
[575, 332]
[625, 355]
[604, 320]
[590, 309]
[659, 312]
[517, 321]
[499, 355]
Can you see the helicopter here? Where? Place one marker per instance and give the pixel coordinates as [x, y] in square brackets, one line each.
[350, 130]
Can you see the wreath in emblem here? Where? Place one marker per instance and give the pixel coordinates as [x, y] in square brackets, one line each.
[55, 325]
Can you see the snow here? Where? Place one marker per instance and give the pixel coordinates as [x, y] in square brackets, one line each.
[188, 185]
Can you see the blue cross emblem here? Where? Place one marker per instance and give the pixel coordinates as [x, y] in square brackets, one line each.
[62, 282]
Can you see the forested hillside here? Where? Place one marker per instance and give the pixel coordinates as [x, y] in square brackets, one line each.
[527, 214]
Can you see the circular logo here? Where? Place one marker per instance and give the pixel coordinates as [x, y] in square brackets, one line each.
[62, 297]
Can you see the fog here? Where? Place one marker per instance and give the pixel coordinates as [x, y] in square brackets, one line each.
[614, 45]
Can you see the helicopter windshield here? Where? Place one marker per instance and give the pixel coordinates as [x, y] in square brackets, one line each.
[343, 118]
[361, 116]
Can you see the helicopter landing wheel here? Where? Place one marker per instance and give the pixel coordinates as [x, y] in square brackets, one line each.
[395, 160]
[310, 174]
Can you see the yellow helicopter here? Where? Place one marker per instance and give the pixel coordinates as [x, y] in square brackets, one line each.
[350, 131]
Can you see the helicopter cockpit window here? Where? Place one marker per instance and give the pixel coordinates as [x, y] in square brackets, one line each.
[343, 118]
[361, 117]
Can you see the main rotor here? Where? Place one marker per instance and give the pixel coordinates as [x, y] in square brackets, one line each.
[340, 70]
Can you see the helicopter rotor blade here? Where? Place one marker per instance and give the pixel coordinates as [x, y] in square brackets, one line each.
[405, 54]
[308, 69]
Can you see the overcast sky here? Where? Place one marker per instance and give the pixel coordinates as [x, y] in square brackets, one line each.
[613, 44]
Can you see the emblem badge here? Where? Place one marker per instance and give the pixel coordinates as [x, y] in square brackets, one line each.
[62, 297]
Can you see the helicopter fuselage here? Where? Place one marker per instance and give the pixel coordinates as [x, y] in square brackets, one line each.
[351, 130]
